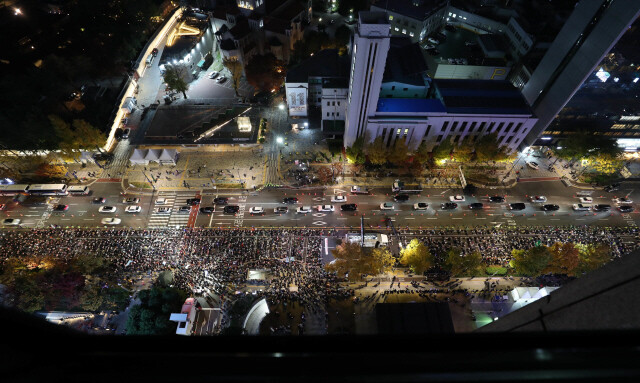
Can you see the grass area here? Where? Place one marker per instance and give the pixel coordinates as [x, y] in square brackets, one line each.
[496, 270]
[142, 185]
[600, 179]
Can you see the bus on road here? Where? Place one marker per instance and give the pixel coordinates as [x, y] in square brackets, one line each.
[47, 189]
[13, 189]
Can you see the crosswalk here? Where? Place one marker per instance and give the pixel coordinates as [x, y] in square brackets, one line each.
[174, 219]
[121, 154]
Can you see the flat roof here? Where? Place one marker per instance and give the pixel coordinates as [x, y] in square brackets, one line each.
[410, 105]
[417, 10]
[369, 17]
[326, 63]
[481, 97]
[405, 62]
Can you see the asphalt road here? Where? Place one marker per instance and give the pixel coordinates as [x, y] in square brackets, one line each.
[83, 213]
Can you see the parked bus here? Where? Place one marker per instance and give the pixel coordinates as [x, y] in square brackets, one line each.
[47, 189]
[13, 189]
[150, 60]
[78, 190]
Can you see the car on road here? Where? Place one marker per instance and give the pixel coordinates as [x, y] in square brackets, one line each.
[304, 209]
[433, 41]
[339, 198]
[221, 79]
[533, 165]
[98, 200]
[601, 207]
[420, 206]
[586, 200]
[281, 210]
[290, 200]
[133, 209]
[161, 201]
[220, 200]
[207, 210]
[622, 201]
[539, 198]
[256, 210]
[325, 208]
[2, 206]
[456, 198]
[131, 200]
[612, 187]
[449, 206]
[231, 209]
[550, 207]
[476, 206]
[110, 221]
[61, 207]
[125, 133]
[625, 208]
[213, 75]
[387, 206]
[496, 199]
[193, 201]
[11, 222]
[401, 197]
[164, 210]
[107, 209]
[184, 209]
[517, 206]
[582, 207]
[349, 207]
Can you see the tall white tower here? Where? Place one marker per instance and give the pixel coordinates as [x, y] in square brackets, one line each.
[370, 47]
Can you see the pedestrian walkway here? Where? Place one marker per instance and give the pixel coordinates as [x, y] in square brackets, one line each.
[173, 219]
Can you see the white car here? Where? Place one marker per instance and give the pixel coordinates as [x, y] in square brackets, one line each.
[538, 198]
[107, 209]
[213, 75]
[256, 210]
[304, 209]
[133, 209]
[622, 201]
[420, 206]
[11, 222]
[339, 198]
[456, 198]
[131, 200]
[586, 200]
[387, 206]
[164, 210]
[533, 165]
[433, 41]
[581, 207]
[161, 201]
[111, 221]
[325, 208]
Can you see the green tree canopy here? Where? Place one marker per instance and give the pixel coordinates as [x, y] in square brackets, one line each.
[460, 264]
[352, 261]
[377, 152]
[355, 152]
[443, 150]
[235, 68]
[464, 151]
[151, 316]
[417, 256]
[488, 148]
[564, 259]
[592, 257]
[399, 153]
[422, 154]
[530, 262]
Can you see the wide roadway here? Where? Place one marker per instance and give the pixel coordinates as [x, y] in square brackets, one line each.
[83, 213]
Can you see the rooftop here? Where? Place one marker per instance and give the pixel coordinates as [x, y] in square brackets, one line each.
[367, 17]
[481, 96]
[326, 63]
[415, 9]
[405, 62]
[410, 105]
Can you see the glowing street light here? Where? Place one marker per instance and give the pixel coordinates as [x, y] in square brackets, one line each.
[281, 106]
[17, 11]
[279, 140]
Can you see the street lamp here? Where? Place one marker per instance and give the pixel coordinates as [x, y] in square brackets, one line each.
[281, 106]
[279, 140]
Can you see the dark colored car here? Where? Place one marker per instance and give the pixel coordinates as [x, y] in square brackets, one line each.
[601, 207]
[612, 188]
[401, 197]
[517, 206]
[193, 201]
[99, 200]
[65, 207]
[449, 205]
[118, 134]
[550, 207]
[207, 210]
[231, 209]
[476, 206]
[496, 198]
[349, 207]
[433, 52]
[625, 208]
[220, 200]
[290, 200]
[281, 210]
[154, 51]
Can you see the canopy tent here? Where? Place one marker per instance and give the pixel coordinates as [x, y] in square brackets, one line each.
[162, 156]
[152, 155]
[138, 157]
[168, 157]
[86, 157]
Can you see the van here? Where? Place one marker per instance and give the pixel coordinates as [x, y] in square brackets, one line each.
[78, 190]
[584, 193]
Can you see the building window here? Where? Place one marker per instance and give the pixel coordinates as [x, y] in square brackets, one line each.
[482, 124]
[338, 114]
[508, 128]
[473, 126]
[338, 103]
[509, 139]
[398, 131]
[444, 127]
[517, 128]
[333, 103]
[464, 125]
[439, 139]
[319, 99]
[327, 114]
[406, 131]
[453, 128]
[405, 89]
[455, 140]
[499, 127]
[328, 103]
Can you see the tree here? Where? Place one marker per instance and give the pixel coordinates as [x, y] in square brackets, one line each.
[86, 136]
[464, 151]
[377, 152]
[422, 154]
[530, 262]
[29, 297]
[349, 261]
[80, 135]
[459, 264]
[51, 171]
[151, 316]
[355, 152]
[606, 164]
[382, 260]
[443, 150]
[235, 68]
[175, 77]
[488, 148]
[417, 256]
[265, 72]
[415, 168]
[564, 259]
[470, 189]
[325, 175]
[399, 153]
[91, 299]
[592, 257]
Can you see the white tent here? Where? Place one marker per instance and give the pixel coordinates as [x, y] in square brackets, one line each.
[152, 155]
[86, 157]
[168, 157]
[138, 157]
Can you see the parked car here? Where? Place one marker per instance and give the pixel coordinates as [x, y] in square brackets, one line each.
[586, 200]
[476, 206]
[349, 207]
[449, 206]
[539, 198]
[164, 210]
[550, 207]
[326, 208]
[60, 208]
[517, 206]
[612, 187]
[111, 221]
[133, 209]
[304, 209]
[281, 210]
[601, 207]
[107, 209]
[256, 210]
[11, 222]
[161, 201]
[622, 201]
[125, 133]
[339, 198]
[213, 75]
[420, 206]
[184, 209]
[581, 207]
[386, 206]
[496, 199]
[231, 209]
[533, 165]
[131, 200]
[433, 41]
[207, 210]
[401, 197]
[456, 198]
[193, 201]
[221, 79]
[220, 200]
[625, 208]
[99, 200]
[290, 200]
